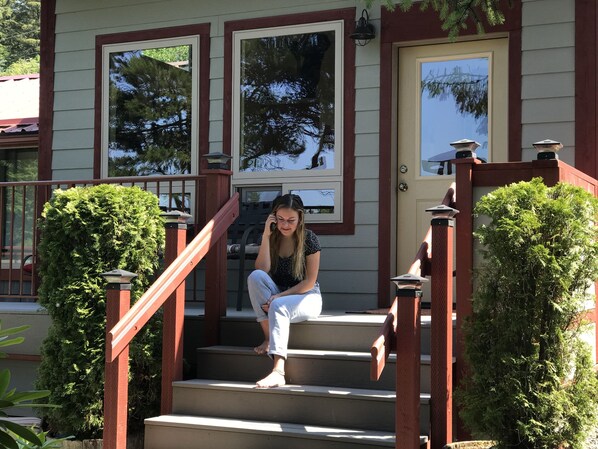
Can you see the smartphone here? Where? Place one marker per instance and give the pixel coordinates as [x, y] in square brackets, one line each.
[272, 226]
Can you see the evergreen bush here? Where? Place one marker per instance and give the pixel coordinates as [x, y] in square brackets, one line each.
[531, 381]
[86, 231]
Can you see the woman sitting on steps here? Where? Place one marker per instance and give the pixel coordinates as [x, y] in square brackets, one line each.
[283, 288]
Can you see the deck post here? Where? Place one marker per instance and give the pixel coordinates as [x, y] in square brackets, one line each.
[174, 311]
[217, 194]
[441, 348]
[464, 268]
[409, 295]
[116, 384]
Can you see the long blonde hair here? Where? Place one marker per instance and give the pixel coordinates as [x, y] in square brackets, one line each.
[292, 202]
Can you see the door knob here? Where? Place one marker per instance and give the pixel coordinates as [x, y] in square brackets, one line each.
[403, 186]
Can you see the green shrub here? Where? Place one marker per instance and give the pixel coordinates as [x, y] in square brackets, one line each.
[532, 383]
[86, 232]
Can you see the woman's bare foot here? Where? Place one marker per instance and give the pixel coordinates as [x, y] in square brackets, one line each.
[263, 348]
[272, 380]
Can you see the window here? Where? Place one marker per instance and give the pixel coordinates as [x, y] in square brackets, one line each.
[151, 109]
[150, 125]
[454, 102]
[290, 129]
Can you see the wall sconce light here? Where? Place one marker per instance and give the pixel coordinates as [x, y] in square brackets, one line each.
[547, 149]
[217, 160]
[364, 30]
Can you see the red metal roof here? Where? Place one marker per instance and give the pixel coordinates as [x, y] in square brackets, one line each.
[19, 104]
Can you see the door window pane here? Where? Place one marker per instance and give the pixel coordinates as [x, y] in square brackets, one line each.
[287, 102]
[454, 106]
[150, 111]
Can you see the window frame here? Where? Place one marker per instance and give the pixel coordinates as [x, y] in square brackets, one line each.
[238, 36]
[346, 132]
[116, 42]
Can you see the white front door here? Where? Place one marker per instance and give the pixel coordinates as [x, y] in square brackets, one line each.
[447, 92]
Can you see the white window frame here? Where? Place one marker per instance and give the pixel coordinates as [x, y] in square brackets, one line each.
[289, 187]
[334, 217]
[296, 179]
[107, 49]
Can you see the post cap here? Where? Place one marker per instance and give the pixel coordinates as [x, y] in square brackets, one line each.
[465, 148]
[118, 276]
[408, 280]
[442, 211]
[176, 216]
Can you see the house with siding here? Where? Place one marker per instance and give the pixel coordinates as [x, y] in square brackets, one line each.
[360, 130]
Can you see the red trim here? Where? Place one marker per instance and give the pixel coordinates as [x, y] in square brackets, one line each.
[46, 87]
[19, 77]
[347, 227]
[24, 357]
[417, 25]
[586, 91]
[203, 31]
[11, 141]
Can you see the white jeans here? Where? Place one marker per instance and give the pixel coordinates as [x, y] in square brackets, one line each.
[283, 311]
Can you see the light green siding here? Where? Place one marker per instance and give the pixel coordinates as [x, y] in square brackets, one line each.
[548, 65]
[77, 24]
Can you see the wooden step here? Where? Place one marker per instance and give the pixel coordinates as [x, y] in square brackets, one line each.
[340, 332]
[342, 369]
[196, 432]
[306, 404]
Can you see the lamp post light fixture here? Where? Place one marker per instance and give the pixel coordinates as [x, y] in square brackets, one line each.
[408, 281]
[547, 149]
[465, 148]
[176, 217]
[364, 30]
[442, 211]
[118, 277]
[217, 160]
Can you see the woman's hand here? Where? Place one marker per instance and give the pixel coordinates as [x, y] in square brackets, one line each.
[270, 225]
[266, 305]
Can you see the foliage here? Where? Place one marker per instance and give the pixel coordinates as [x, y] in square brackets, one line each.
[23, 67]
[86, 232]
[19, 35]
[13, 435]
[46, 442]
[455, 15]
[532, 383]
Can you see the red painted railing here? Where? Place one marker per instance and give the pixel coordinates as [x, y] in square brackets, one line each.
[401, 332]
[167, 290]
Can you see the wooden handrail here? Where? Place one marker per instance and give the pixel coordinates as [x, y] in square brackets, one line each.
[386, 340]
[120, 336]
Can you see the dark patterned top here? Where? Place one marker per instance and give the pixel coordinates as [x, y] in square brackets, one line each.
[283, 277]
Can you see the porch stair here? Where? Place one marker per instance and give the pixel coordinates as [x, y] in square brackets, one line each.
[329, 401]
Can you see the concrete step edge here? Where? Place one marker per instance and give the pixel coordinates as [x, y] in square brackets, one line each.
[307, 390]
[347, 319]
[306, 353]
[371, 438]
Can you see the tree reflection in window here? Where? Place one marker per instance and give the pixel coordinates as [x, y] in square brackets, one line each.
[287, 102]
[150, 112]
[454, 105]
